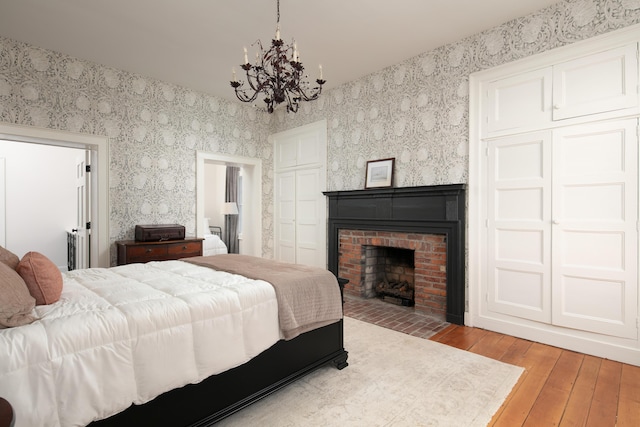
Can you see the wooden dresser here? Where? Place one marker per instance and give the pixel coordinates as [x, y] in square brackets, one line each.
[130, 251]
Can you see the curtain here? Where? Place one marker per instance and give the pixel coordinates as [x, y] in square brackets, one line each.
[231, 221]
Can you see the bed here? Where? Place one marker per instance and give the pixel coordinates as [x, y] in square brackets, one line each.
[212, 243]
[179, 343]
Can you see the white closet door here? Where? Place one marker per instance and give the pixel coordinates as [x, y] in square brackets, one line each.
[595, 213]
[519, 102]
[301, 207]
[518, 224]
[605, 81]
[285, 217]
[309, 229]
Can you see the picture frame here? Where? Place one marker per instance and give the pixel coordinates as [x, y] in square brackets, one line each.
[379, 173]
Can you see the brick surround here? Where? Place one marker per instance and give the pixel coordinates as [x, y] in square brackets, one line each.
[430, 274]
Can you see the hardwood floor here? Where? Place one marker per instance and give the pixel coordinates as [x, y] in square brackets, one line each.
[558, 387]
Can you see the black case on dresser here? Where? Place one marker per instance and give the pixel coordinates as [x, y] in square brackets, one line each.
[159, 232]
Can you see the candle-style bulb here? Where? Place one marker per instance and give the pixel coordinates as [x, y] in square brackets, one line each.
[246, 60]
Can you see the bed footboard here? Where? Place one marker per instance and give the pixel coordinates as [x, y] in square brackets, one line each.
[203, 404]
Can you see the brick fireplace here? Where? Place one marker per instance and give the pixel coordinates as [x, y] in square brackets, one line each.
[361, 251]
[427, 220]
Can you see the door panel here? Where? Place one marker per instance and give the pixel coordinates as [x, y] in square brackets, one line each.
[519, 102]
[309, 201]
[286, 152]
[518, 223]
[597, 83]
[82, 212]
[285, 217]
[595, 211]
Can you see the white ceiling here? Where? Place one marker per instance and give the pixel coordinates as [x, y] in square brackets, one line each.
[195, 43]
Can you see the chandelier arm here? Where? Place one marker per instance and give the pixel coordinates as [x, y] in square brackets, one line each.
[313, 96]
[242, 95]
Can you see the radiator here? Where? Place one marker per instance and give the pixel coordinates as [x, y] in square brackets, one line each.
[72, 250]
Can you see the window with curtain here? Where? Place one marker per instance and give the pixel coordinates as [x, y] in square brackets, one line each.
[231, 229]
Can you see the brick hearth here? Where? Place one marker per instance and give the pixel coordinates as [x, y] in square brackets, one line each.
[430, 275]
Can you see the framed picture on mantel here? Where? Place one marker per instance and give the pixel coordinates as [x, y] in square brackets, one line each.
[379, 173]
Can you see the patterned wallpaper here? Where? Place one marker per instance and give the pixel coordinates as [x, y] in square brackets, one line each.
[416, 111]
[154, 127]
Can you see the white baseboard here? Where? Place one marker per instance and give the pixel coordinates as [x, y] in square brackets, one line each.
[621, 350]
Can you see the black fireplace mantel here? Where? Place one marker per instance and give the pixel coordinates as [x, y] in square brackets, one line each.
[438, 209]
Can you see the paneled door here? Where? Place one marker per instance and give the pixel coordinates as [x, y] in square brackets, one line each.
[604, 81]
[286, 217]
[519, 226]
[562, 227]
[83, 211]
[595, 236]
[310, 225]
[300, 206]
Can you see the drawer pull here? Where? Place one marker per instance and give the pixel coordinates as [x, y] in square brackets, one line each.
[149, 250]
[184, 247]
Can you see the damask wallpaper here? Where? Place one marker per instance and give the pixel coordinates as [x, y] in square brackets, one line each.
[416, 111]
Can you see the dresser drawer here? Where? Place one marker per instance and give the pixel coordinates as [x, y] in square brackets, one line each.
[184, 249]
[146, 251]
[130, 251]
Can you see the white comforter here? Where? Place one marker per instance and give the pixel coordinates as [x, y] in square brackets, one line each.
[213, 245]
[127, 334]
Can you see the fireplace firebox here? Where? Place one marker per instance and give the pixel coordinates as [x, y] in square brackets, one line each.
[427, 219]
[390, 272]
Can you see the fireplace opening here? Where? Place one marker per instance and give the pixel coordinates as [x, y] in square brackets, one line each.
[407, 269]
[389, 274]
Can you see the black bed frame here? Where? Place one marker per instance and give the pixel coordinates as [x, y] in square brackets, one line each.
[203, 404]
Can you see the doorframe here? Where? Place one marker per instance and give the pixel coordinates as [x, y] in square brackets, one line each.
[251, 194]
[98, 147]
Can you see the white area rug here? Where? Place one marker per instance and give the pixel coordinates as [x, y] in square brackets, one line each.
[393, 379]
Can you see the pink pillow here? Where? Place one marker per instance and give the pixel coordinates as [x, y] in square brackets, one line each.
[42, 277]
[15, 302]
[9, 258]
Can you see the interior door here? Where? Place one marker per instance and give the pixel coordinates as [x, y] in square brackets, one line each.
[595, 213]
[519, 102]
[605, 81]
[518, 226]
[310, 248]
[285, 249]
[301, 207]
[83, 209]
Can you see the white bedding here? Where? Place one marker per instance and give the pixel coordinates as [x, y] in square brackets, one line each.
[127, 334]
[213, 245]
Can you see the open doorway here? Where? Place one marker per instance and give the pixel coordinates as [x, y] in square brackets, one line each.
[250, 200]
[40, 214]
[94, 148]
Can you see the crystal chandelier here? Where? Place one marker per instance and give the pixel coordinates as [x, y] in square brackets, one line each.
[277, 74]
